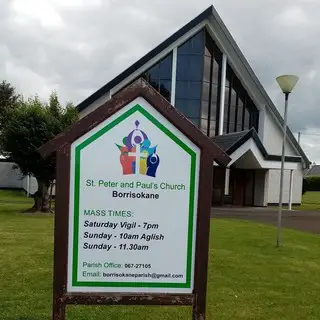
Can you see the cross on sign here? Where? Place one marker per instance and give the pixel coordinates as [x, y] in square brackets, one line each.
[136, 141]
[138, 155]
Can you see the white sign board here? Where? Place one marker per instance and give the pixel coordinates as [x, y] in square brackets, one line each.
[133, 205]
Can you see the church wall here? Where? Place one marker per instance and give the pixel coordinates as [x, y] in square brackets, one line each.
[274, 186]
[272, 137]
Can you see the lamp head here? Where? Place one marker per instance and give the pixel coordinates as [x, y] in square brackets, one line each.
[287, 83]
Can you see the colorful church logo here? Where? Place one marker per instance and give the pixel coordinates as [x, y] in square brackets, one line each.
[136, 155]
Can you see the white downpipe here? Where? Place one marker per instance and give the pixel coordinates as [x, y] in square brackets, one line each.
[174, 75]
[227, 182]
[290, 190]
[222, 92]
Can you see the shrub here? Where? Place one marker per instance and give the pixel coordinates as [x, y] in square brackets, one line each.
[304, 186]
[311, 184]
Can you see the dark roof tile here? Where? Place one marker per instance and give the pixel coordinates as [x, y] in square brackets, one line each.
[230, 142]
[313, 171]
[226, 141]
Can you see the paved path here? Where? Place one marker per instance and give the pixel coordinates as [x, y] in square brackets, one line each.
[301, 220]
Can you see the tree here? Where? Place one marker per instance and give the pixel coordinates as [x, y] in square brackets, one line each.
[27, 127]
[8, 100]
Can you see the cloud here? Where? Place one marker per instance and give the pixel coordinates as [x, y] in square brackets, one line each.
[76, 46]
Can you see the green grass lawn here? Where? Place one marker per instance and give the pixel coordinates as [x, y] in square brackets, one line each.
[13, 196]
[311, 201]
[249, 278]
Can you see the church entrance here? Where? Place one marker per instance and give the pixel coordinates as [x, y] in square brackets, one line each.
[242, 187]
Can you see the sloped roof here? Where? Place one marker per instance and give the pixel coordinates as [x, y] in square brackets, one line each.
[313, 171]
[230, 142]
[226, 141]
[208, 14]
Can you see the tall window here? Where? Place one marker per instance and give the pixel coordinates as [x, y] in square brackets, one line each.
[198, 82]
[210, 87]
[189, 77]
[240, 113]
[159, 76]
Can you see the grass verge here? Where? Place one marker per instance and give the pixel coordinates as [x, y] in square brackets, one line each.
[249, 278]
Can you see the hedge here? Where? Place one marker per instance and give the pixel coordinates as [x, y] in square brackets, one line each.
[311, 184]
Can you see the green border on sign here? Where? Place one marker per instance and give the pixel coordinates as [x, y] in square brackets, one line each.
[75, 282]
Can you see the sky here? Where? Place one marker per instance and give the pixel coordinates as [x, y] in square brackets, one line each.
[76, 46]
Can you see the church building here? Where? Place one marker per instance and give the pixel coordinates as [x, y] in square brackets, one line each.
[202, 72]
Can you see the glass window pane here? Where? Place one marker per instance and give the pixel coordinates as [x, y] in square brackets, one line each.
[213, 114]
[214, 93]
[231, 127]
[193, 108]
[226, 104]
[227, 82]
[166, 84]
[206, 68]
[181, 89]
[209, 44]
[215, 72]
[195, 68]
[225, 127]
[165, 88]
[225, 115]
[194, 90]
[205, 109]
[205, 90]
[198, 43]
[233, 98]
[212, 131]
[232, 117]
[159, 76]
[189, 67]
[194, 45]
[254, 119]
[154, 83]
[154, 71]
[207, 51]
[195, 121]
[226, 95]
[240, 115]
[204, 126]
[181, 105]
[182, 67]
[246, 119]
[165, 68]
[186, 48]
[188, 90]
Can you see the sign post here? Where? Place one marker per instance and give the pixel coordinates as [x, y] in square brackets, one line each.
[133, 202]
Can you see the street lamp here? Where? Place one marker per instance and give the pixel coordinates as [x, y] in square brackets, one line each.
[286, 83]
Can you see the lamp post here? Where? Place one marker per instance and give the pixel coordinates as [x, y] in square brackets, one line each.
[286, 83]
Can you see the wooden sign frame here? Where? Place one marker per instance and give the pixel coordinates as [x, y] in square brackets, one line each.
[60, 145]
